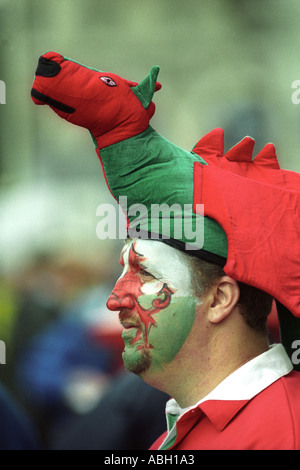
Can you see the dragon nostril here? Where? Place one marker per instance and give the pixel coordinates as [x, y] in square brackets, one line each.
[47, 67]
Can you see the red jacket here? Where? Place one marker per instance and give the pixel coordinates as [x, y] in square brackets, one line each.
[270, 420]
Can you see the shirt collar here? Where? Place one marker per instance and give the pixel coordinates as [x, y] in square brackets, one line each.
[242, 385]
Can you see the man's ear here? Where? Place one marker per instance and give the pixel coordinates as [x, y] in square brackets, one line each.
[224, 297]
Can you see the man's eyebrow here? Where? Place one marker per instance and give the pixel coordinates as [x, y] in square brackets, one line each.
[123, 251]
[135, 258]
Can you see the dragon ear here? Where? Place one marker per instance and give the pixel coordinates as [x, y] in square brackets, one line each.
[146, 88]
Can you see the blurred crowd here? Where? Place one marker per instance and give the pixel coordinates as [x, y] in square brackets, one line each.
[63, 368]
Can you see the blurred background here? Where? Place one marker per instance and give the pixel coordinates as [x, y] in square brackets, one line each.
[224, 63]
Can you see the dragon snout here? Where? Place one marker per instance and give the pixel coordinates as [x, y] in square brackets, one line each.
[47, 67]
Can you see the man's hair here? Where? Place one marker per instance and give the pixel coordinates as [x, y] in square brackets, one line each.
[255, 305]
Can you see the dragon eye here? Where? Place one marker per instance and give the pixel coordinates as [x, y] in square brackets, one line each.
[108, 81]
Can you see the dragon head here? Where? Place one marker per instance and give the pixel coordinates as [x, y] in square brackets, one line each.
[110, 107]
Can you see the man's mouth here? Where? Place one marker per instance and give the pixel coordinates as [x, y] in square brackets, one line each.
[127, 326]
[134, 323]
[128, 323]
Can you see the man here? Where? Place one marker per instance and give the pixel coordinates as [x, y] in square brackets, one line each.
[191, 329]
[188, 331]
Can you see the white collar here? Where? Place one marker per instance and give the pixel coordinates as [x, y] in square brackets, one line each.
[247, 381]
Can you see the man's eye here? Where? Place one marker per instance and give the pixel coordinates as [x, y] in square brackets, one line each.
[145, 275]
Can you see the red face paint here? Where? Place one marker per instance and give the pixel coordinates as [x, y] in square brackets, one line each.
[126, 294]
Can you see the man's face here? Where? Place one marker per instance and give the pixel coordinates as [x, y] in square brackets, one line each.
[157, 307]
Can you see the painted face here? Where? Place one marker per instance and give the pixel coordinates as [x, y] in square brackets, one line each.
[157, 307]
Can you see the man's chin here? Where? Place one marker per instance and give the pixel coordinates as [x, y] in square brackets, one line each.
[137, 362]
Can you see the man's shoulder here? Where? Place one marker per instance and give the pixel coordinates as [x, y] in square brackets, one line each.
[290, 387]
[268, 421]
[291, 380]
[286, 389]
[277, 408]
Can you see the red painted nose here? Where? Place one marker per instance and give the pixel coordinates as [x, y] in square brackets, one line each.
[116, 303]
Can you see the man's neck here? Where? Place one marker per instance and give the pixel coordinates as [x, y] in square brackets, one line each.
[188, 381]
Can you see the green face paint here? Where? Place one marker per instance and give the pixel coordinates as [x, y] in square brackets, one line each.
[157, 308]
[173, 327]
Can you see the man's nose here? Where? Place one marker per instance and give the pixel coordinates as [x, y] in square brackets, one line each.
[116, 302]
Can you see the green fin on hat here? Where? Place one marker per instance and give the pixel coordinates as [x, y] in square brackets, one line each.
[146, 88]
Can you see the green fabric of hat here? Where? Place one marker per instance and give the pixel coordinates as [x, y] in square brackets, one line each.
[154, 171]
[138, 162]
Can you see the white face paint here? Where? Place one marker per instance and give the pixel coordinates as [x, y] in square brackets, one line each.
[165, 264]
